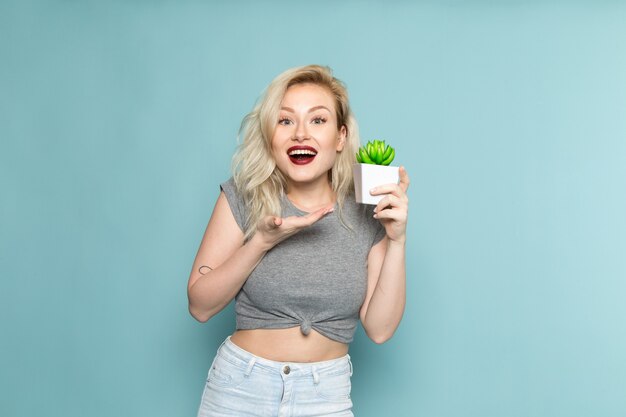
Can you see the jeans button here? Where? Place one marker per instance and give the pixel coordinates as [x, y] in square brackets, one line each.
[286, 369]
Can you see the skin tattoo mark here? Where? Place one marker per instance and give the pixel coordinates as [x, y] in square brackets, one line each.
[206, 270]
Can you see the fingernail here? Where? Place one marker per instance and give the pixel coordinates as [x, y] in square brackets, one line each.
[373, 190]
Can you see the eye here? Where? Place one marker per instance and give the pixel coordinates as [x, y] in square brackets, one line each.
[284, 121]
[319, 120]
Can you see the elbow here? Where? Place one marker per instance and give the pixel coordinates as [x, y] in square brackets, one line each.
[200, 316]
[378, 334]
[380, 339]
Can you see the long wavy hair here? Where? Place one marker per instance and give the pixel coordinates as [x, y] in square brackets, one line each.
[256, 175]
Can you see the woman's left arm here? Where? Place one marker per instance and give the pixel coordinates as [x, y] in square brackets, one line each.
[386, 277]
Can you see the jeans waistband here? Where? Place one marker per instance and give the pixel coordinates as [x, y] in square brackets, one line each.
[245, 359]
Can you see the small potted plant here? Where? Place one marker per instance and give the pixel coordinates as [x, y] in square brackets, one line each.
[373, 170]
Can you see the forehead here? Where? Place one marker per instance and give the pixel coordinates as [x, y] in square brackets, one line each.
[308, 95]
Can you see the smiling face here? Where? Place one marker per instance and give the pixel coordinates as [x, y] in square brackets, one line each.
[306, 139]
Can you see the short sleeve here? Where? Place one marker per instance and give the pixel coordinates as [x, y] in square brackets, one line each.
[373, 228]
[235, 201]
[379, 232]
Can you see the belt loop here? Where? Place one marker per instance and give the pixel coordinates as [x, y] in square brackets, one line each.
[350, 362]
[250, 366]
[223, 343]
[316, 376]
[219, 351]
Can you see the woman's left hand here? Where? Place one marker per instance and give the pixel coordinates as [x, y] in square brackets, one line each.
[393, 209]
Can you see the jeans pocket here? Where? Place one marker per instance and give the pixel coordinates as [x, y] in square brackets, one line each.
[225, 374]
[334, 387]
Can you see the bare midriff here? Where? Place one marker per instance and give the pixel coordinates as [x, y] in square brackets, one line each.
[289, 345]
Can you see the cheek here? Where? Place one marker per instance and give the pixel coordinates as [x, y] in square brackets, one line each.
[279, 156]
[275, 145]
[275, 155]
[280, 137]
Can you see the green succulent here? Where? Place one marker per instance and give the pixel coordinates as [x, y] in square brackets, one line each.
[375, 153]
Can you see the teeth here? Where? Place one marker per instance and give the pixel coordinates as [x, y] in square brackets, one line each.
[302, 152]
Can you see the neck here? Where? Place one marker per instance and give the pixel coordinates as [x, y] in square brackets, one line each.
[311, 196]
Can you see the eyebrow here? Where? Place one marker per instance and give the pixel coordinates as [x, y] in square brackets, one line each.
[312, 109]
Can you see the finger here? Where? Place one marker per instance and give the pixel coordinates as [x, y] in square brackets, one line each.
[309, 219]
[398, 215]
[393, 189]
[388, 200]
[404, 179]
[317, 215]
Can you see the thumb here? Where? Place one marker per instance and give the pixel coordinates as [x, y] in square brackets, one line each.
[404, 179]
[272, 222]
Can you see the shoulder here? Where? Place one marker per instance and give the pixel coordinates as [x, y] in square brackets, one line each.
[235, 201]
[229, 186]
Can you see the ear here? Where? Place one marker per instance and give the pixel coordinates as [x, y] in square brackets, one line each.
[341, 142]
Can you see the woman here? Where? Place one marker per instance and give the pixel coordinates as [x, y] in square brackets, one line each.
[303, 259]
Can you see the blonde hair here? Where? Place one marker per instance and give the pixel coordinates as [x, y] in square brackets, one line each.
[256, 175]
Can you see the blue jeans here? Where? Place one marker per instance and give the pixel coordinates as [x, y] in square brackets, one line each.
[242, 384]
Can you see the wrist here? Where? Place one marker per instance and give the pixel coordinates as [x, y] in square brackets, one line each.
[400, 242]
[259, 244]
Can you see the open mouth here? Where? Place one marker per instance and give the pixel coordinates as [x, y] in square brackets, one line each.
[301, 155]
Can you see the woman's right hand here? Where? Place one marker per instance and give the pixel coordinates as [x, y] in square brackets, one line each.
[272, 230]
[231, 259]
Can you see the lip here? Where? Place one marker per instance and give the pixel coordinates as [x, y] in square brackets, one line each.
[297, 161]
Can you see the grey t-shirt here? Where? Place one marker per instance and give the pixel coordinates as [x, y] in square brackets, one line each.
[315, 279]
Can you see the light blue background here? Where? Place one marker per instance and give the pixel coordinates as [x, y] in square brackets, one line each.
[118, 121]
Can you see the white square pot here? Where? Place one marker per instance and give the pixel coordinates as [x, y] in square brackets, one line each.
[368, 176]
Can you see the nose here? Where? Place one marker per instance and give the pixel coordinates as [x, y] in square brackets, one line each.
[301, 132]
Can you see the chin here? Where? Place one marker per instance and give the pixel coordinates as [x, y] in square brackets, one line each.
[303, 173]
[300, 177]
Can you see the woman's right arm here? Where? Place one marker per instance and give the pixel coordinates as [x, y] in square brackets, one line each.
[230, 260]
